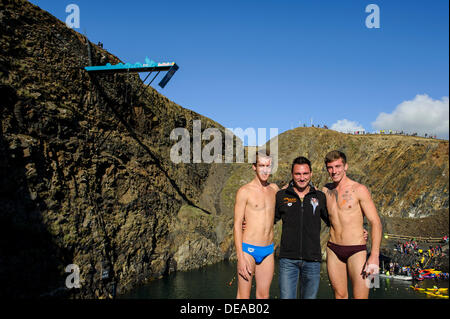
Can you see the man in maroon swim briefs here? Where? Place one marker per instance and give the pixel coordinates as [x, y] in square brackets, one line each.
[347, 203]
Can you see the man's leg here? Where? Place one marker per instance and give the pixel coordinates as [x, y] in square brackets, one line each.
[310, 279]
[355, 264]
[337, 272]
[245, 286]
[263, 277]
[288, 278]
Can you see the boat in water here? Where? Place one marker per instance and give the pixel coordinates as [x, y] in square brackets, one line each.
[399, 277]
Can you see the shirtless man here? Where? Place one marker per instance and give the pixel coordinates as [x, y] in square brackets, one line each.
[255, 202]
[348, 202]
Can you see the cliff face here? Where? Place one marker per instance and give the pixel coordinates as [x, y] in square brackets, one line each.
[86, 175]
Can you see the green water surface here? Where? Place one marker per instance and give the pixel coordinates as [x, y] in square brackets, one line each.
[213, 282]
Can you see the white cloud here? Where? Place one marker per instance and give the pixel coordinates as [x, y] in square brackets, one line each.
[421, 115]
[346, 126]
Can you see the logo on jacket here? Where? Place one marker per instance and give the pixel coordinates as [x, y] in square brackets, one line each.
[314, 203]
[289, 200]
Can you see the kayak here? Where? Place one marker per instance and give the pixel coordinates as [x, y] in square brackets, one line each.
[396, 277]
[430, 271]
[433, 292]
[436, 295]
[438, 289]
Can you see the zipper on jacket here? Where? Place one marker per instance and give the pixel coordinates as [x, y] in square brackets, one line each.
[302, 226]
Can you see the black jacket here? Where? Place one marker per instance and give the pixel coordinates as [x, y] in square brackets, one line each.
[300, 238]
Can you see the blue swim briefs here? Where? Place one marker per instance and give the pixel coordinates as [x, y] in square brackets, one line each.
[257, 252]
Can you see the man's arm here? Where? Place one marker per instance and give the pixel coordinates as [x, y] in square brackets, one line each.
[277, 210]
[239, 213]
[370, 211]
[324, 210]
[275, 187]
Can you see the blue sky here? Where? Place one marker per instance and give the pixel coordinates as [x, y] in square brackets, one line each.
[278, 64]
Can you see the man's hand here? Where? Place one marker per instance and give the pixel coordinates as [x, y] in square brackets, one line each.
[244, 269]
[372, 266]
[243, 225]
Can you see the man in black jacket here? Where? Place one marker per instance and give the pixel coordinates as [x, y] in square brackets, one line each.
[301, 207]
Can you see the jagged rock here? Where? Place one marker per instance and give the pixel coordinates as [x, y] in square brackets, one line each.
[86, 165]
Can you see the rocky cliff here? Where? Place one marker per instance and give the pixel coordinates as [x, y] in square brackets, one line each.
[86, 175]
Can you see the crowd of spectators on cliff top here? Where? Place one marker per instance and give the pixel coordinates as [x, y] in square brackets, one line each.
[382, 132]
[392, 132]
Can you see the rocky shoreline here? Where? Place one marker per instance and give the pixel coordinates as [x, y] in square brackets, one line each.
[438, 262]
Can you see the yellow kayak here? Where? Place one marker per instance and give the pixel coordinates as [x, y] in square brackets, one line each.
[434, 292]
[432, 271]
[438, 289]
[436, 295]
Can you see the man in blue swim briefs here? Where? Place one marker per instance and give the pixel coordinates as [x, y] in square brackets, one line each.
[348, 202]
[255, 203]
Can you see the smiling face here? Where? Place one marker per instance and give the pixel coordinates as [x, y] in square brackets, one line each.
[337, 170]
[263, 168]
[301, 175]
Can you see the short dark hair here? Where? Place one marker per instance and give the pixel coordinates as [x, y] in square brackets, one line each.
[301, 160]
[334, 156]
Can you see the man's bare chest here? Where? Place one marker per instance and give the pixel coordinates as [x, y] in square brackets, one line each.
[261, 200]
[342, 200]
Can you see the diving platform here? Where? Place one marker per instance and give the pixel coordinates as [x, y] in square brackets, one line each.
[148, 66]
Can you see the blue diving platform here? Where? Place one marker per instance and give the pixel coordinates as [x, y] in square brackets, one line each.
[148, 66]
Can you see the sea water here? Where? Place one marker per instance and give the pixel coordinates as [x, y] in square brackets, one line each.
[219, 282]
